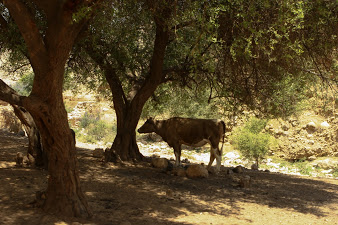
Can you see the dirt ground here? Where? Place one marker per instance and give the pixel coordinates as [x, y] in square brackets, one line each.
[139, 194]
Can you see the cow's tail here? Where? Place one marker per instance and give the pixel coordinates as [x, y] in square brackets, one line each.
[223, 134]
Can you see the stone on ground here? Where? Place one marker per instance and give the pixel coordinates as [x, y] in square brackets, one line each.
[179, 171]
[254, 166]
[98, 153]
[238, 169]
[161, 163]
[197, 171]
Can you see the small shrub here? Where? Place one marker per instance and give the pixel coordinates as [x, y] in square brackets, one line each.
[251, 141]
[95, 130]
[69, 109]
[335, 172]
[86, 120]
[303, 167]
[98, 130]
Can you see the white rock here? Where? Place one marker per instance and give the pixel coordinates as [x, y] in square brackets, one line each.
[324, 125]
[232, 155]
[327, 164]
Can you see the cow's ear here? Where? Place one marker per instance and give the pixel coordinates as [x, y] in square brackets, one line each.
[150, 120]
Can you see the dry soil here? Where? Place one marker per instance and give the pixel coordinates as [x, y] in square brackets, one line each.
[139, 194]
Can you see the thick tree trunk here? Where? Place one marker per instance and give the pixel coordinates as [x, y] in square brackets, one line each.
[48, 50]
[124, 144]
[63, 195]
[128, 108]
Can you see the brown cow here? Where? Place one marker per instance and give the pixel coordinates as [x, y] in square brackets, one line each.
[193, 132]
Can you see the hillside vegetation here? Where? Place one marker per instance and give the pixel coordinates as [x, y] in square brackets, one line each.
[306, 142]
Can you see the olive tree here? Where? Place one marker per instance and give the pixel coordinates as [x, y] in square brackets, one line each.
[145, 44]
[49, 30]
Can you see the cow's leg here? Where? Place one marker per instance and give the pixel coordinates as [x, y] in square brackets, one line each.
[212, 157]
[215, 153]
[177, 151]
[218, 155]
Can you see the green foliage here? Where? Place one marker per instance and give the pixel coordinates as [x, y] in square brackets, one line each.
[270, 49]
[251, 141]
[171, 101]
[98, 130]
[82, 13]
[25, 84]
[335, 172]
[255, 125]
[303, 167]
[92, 129]
[87, 119]
[288, 96]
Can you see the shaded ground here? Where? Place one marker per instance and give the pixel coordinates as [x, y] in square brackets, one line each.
[141, 194]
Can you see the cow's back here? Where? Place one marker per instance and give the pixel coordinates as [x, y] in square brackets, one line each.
[192, 131]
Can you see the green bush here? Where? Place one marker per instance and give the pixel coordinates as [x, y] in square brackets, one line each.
[86, 120]
[98, 130]
[335, 172]
[95, 129]
[251, 141]
[303, 167]
[24, 84]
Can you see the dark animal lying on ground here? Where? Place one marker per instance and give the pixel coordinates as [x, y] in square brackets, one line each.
[192, 132]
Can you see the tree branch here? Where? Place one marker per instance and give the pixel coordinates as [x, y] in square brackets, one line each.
[9, 95]
[114, 82]
[29, 30]
[156, 65]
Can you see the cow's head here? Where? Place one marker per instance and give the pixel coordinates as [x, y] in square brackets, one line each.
[148, 126]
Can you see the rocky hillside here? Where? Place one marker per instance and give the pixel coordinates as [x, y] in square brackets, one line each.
[307, 137]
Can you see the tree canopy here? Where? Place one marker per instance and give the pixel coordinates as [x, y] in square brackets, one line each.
[241, 51]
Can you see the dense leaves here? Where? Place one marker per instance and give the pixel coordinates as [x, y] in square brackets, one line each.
[269, 45]
[263, 54]
[251, 141]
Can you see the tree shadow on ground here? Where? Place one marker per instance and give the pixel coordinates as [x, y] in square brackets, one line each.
[144, 190]
[141, 194]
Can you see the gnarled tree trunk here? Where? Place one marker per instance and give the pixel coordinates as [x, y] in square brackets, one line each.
[48, 49]
[63, 194]
[124, 144]
[34, 142]
[128, 104]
